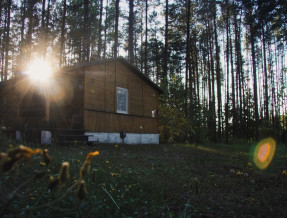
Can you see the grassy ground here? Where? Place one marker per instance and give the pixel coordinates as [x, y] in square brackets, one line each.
[154, 181]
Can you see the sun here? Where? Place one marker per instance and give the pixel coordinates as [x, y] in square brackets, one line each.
[39, 70]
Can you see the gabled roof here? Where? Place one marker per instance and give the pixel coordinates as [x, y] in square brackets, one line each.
[92, 63]
[122, 60]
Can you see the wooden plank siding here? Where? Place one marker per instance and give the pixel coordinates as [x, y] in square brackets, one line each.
[100, 106]
[66, 110]
[95, 88]
[83, 96]
[110, 99]
[99, 121]
[135, 94]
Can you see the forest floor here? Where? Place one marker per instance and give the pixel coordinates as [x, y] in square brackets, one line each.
[164, 180]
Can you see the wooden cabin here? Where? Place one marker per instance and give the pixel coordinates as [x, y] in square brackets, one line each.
[110, 100]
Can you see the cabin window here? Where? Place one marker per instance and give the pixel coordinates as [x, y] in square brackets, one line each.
[122, 100]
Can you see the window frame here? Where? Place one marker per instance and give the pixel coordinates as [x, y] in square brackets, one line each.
[126, 91]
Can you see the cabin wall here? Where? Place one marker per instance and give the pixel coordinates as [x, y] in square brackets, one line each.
[95, 89]
[9, 105]
[21, 104]
[100, 105]
[66, 106]
[110, 95]
[97, 121]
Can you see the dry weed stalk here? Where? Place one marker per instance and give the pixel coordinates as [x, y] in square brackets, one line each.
[10, 160]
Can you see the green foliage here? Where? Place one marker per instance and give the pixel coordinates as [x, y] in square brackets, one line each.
[174, 124]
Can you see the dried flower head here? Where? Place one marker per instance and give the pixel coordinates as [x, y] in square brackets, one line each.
[92, 154]
[3, 156]
[82, 191]
[46, 156]
[14, 155]
[86, 166]
[22, 152]
[64, 173]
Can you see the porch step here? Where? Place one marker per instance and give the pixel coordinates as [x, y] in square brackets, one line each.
[71, 136]
[68, 131]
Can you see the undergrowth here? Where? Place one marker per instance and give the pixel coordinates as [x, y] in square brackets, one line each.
[167, 180]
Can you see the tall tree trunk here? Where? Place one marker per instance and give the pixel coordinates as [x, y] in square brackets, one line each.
[227, 72]
[105, 32]
[165, 53]
[218, 73]
[187, 55]
[212, 112]
[234, 117]
[86, 43]
[63, 33]
[266, 97]
[237, 91]
[116, 45]
[28, 45]
[146, 34]
[43, 29]
[100, 31]
[43, 16]
[47, 27]
[1, 56]
[7, 37]
[252, 41]
[141, 55]
[157, 62]
[23, 16]
[196, 68]
[131, 32]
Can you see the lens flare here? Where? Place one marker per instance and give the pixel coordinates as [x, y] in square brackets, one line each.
[39, 70]
[263, 153]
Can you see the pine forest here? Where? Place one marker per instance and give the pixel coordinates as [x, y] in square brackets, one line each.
[222, 64]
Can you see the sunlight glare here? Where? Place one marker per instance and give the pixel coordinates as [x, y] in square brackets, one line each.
[39, 70]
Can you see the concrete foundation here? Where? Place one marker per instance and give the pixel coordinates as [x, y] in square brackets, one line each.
[131, 138]
[46, 137]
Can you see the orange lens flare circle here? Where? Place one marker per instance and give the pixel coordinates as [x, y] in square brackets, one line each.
[264, 152]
